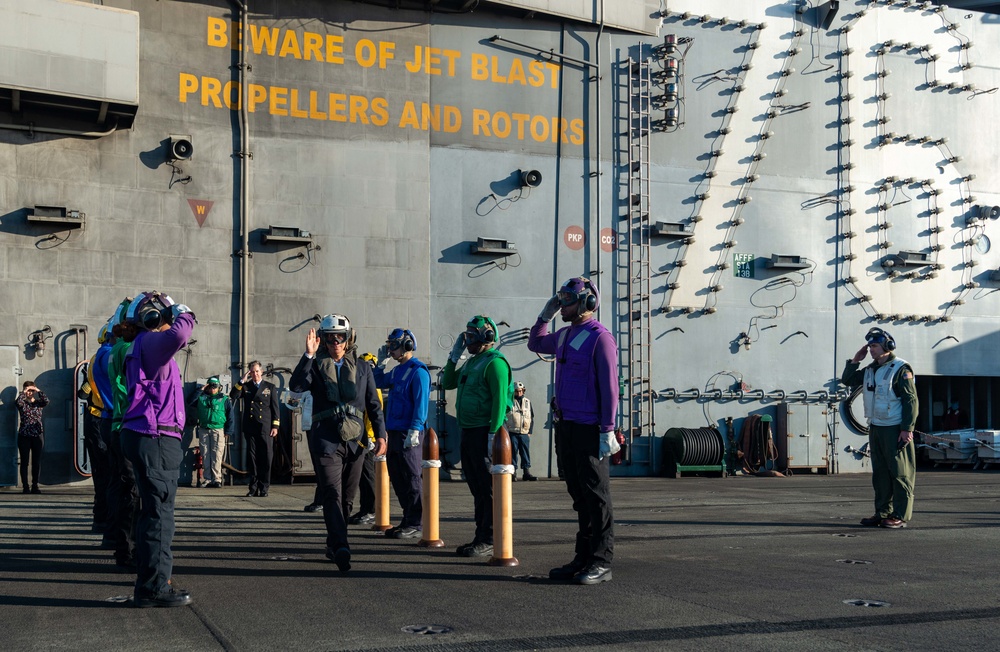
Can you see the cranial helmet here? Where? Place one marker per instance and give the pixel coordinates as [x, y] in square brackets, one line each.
[519, 385]
[481, 330]
[369, 357]
[401, 338]
[581, 291]
[102, 334]
[119, 315]
[150, 310]
[882, 338]
[337, 324]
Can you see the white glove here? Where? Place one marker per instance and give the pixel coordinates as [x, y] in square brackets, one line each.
[609, 445]
[382, 357]
[550, 309]
[458, 349]
[412, 438]
[371, 445]
[489, 445]
[179, 309]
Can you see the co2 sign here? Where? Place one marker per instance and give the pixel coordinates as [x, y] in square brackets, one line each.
[609, 240]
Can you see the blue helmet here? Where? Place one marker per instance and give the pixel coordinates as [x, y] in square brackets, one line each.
[401, 338]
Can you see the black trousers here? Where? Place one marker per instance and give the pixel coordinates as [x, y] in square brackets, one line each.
[404, 465]
[123, 497]
[367, 485]
[588, 481]
[100, 467]
[260, 454]
[30, 447]
[338, 474]
[476, 468]
[157, 462]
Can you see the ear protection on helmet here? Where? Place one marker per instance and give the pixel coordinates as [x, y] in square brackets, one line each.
[407, 340]
[483, 328]
[590, 302]
[588, 298]
[150, 310]
[882, 338]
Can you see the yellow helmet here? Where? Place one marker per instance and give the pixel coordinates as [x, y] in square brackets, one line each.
[369, 357]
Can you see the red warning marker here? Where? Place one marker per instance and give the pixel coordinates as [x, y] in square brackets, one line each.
[201, 208]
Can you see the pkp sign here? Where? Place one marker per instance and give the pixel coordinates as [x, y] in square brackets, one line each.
[574, 238]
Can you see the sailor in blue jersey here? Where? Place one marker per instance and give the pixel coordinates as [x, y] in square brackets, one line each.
[406, 415]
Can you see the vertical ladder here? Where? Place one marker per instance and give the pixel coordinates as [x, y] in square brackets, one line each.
[636, 400]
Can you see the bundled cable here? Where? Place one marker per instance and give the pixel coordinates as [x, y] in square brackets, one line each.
[757, 451]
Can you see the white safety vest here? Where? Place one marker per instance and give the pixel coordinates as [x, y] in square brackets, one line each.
[882, 406]
[520, 417]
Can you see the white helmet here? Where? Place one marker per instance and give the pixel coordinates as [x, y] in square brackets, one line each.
[335, 324]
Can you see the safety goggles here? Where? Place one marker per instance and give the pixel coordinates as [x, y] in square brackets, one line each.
[334, 338]
[876, 336]
[568, 298]
[477, 335]
[394, 345]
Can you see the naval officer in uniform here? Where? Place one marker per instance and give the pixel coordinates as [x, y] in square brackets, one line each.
[260, 426]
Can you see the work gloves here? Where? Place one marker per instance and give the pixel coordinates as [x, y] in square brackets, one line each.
[458, 349]
[550, 309]
[412, 438]
[179, 309]
[382, 357]
[608, 445]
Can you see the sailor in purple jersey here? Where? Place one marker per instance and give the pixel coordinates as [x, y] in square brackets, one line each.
[152, 427]
[585, 411]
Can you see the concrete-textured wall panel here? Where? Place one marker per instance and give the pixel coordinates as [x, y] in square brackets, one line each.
[385, 253]
[15, 296]
[346, 252]
[101, 303]
[136, 272]
[25, 262]
[212, 306]
[343, 191]
[138, 206]
[63, 301]
[411, 225]
[111, 235]
[214, 245]
[116, 171]
[79, 265]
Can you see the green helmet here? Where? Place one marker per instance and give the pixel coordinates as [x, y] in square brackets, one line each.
[481, 330]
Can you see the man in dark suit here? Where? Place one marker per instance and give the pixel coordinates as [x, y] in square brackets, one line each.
[260, 426]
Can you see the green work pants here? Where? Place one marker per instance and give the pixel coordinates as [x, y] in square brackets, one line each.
[893, 472]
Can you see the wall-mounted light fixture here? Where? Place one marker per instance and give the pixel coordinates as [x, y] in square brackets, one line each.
[67, 217]
[36, 339]
[286, 235]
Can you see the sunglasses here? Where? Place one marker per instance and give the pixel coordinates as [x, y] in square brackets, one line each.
[334, 338]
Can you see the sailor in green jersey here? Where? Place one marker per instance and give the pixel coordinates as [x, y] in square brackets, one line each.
[483, 384]
[123, 496]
